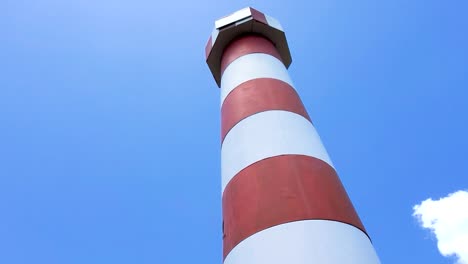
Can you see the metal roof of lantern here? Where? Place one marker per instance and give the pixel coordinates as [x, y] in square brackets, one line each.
[246, 20]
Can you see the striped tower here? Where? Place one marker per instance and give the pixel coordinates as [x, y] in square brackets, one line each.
[282, 199]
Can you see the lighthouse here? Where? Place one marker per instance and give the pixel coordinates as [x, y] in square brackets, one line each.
[282, 200]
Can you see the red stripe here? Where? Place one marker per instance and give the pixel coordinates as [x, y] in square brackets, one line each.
[279, 190]
[256, 96]
[246, 45]
[208, 47]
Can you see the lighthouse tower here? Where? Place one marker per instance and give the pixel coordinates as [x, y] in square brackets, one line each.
[283, 202]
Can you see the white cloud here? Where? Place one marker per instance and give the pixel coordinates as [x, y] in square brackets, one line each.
[447, 218]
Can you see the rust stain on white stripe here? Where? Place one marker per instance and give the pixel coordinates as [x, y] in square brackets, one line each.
[252, 66]
[268, 134]
[306, 242]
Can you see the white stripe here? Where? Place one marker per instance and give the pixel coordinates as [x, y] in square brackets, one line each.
[305, 242]
[252, 66]
[273, 22]
[268, 134]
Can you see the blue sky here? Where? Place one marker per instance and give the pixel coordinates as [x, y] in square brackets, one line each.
[109, 122]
